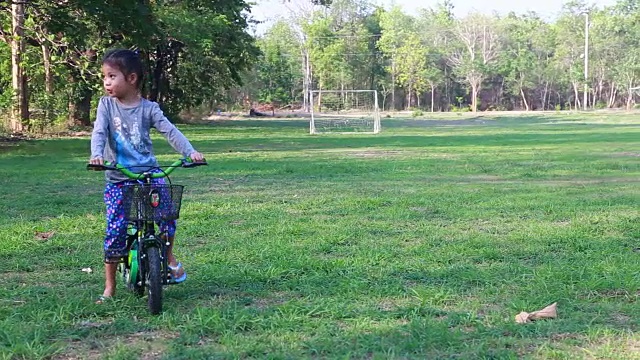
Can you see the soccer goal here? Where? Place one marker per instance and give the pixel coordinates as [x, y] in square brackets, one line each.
[344, 112]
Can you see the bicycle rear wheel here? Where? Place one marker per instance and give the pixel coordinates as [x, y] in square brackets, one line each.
[154, 280]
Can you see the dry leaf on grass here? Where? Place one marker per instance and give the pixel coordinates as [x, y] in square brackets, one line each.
[550, 312]
[44, 236]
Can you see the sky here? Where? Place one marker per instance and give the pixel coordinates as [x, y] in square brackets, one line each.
[268, 10]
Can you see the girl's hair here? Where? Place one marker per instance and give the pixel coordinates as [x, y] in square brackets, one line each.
[127, 61]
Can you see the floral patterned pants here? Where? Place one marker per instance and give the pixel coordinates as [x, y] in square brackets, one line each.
[115, 240]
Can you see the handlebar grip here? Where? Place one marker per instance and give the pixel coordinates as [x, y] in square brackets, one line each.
[194, 164]
[96, 167]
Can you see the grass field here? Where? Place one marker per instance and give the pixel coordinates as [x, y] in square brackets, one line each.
[421, 242]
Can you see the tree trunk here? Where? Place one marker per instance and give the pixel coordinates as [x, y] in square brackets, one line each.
[306, 81]
[48, 83]
[612, 95]
[48, 74]
[524, 100]
[475, 89]
[544, 96]
[20, 105]
[80, 107]
[577, 95]
[385, 94]
[433, 92]
[629, 96]
[500, 92]
[393, 90]
[447, 95]
[600, 91]
[156, 80]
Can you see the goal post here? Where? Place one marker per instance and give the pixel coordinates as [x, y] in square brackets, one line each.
[344, 112]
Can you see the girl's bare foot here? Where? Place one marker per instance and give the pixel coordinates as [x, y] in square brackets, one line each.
[106, 295]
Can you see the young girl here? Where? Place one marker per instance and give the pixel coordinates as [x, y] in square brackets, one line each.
[121, 134]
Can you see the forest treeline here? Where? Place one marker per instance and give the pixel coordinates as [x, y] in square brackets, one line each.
[204, 55]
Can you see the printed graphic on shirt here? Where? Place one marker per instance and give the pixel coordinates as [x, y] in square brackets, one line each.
[136, 138]
[128, 141]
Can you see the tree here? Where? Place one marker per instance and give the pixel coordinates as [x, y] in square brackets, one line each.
[202, 51]
[277, 68]
[625, 19]
[569, 54]
[20, 113]
[395, 25]
[477, 53]
[435, 27]
[520, 55]
[96, 25]
[412, 66]
[194, 49]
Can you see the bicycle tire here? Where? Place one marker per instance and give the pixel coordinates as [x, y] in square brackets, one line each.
[154, 280]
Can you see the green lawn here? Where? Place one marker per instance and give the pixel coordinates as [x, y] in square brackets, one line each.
[421, 242]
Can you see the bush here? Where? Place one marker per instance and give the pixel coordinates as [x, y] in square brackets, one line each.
[5, 117]
[460, 109]
[417, 113]
[497, 108]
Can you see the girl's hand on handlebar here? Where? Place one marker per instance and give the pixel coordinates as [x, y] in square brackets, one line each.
[196, 157]
[96, 161]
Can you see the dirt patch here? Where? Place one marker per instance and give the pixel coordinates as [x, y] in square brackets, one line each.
[11, 140]
[275, 299]
[387, 305]
[71, 134]
[268, 115]
[483, 178]
[149, 344]
[617, 294]
[565, 336]
[546, 182]
[627, 154]
[621, 318]
[375, 153]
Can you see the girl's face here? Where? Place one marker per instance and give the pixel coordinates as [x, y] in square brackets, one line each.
[118, 85]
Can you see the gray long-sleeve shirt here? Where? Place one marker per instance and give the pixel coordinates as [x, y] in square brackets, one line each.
[121, 134]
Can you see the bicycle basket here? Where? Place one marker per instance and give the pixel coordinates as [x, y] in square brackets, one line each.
[152, 202]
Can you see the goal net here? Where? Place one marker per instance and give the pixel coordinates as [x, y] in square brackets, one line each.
[344, 112]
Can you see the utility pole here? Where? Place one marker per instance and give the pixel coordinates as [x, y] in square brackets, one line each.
[586, 58]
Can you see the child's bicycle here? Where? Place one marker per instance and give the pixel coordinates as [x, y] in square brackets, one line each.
[145, 204]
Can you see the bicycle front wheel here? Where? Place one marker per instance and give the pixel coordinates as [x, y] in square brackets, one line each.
[154, 280]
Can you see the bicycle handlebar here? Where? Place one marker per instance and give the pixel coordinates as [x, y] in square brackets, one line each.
[185, 162]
